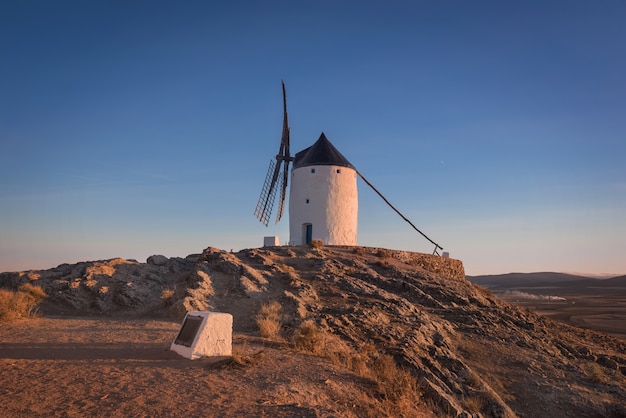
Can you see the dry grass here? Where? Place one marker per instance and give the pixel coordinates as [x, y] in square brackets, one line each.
[167, 297]
[358, 251]
[473, 403]
[383, 263]
[473, 380]
[595, 373]
[396, 386]
[239, 360]
[310, 339]
[35, 291]
[486, 292]
[316, 243]
[269, 320]
[383, 253]
[20, 304]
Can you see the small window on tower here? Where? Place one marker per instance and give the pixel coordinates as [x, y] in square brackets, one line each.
[307, 200]
[312, 171]
[338, 170]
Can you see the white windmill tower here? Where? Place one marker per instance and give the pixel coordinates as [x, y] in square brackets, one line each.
[323, 202]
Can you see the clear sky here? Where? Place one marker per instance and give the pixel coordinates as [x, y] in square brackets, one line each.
[132, 128]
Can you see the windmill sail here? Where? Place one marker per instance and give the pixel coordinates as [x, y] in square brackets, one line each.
[286, 157]
[274, 180]
[264, 206]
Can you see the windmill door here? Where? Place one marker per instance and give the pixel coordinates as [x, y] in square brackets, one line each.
[308, 233]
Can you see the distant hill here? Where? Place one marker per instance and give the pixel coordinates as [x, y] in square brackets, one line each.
[615, 281]
[510, 280]
[557, 283]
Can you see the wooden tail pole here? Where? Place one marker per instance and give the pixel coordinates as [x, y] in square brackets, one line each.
[437, 246]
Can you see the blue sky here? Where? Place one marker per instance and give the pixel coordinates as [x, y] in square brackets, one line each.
[132, 128]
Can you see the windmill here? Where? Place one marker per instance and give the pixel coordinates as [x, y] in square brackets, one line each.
[323, 200]
[275, 179]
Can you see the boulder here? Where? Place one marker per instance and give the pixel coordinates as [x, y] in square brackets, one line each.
[157, 260]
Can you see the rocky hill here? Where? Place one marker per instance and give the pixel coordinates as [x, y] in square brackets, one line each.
[471, 353]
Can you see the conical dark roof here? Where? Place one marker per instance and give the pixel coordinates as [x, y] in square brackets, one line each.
[323, 152]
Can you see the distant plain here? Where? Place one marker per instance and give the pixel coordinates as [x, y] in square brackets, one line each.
[598, 304]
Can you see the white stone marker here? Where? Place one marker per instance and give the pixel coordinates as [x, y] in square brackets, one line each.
[204, 334]
[271, 241]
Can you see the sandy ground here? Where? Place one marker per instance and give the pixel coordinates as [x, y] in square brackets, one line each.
[77, 367]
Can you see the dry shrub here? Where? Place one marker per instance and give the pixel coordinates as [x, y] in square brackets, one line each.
[310, 339]
[359, 363]
[167, 297]
[397, 386]
[595, 373]
[316, 243]
[239, 360]
[383, 263]
[268, 320]
[20, 304]
[268, 328]
[383, 253]
[473, 403]
[485, 292]
[359, 251]
[35, 291]
[473, 380]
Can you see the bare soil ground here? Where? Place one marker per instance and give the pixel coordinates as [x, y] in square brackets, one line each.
[78, 367]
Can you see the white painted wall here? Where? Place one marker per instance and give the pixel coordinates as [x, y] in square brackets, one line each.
[332, 206]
